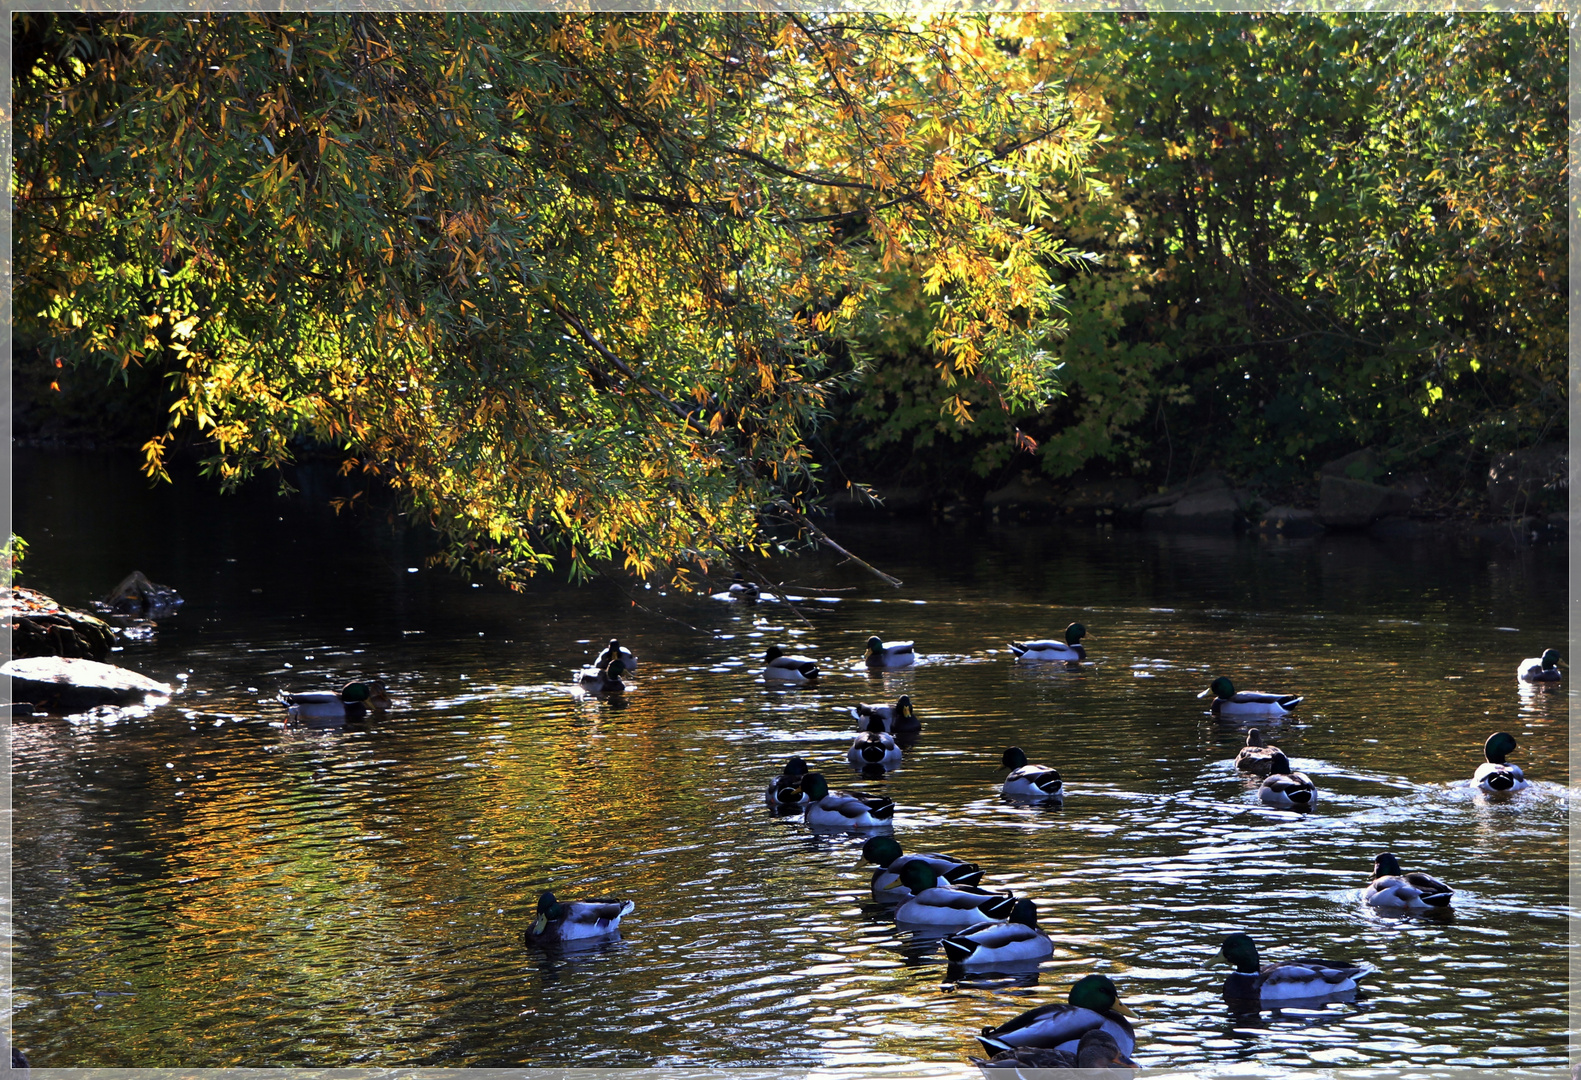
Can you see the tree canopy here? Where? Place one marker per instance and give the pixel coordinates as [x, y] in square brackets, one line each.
[577, 287]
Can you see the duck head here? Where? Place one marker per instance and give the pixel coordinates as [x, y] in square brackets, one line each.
[1097, 992]
[1221, 687]
[1278, 763]
[1025, 912]
[814, 786]
[1385, 865]
[1499, 744]
[1014, 758]
[917, 876]
[1550, 659]
[1074, 633]
[1254, 737]
[1240, 951]
[356, 691]
[549, 909]
[880, 851]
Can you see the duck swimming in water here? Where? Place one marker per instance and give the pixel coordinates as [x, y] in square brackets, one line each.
[1495, 776]
[1227, 701]
[1069, 651]
[1544, 668]
[1415, 891]
[1093, 1004]
[1285, 980]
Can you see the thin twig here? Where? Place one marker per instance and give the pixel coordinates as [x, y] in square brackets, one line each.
[639, 604]
[825, 539]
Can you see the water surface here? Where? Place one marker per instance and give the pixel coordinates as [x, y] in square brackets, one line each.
[198, 885]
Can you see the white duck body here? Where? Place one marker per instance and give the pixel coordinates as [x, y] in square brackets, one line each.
[578, 920]
[1093, 1007]
[324, 706]
[844, 810]
[1542, 668]
[743, 590]
[1287, 980]
[777, 665]
[1227, 701]
[874, 748]
[1037, 783]
[886, 853]
[1016, 941]
[1414, 891]
[897, 654]
[934, 903]
[1285, 788]
[1049, 650]
[1495, 776]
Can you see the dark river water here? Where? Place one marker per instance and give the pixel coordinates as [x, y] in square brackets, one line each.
[196, 884]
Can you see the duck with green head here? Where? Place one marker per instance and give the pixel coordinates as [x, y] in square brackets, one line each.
[1014, 942]
[1284, 787]
[1034, 783]
[1093, 1005]
[743, 590]
[1544, 668]
[1096, 1050]
[777, 665]
[1286, 980]
[1227, 701]
[935, 902]
[576, 921]
[886, 853]
[1048, 650]
[1495, 776]
[1415, 891]
[897, 654]
[847, 811]
[348, 703]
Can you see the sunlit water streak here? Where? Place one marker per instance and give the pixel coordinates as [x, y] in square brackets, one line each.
[198, 885]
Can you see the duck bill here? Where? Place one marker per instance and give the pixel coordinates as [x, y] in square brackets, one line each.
[1206, 692]
[540, 924]
[1119, 1007]
[891, 885]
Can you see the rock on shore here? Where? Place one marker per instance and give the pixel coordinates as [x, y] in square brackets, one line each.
[64, 684]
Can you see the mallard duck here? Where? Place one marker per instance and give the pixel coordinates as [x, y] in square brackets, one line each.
[1096, 1049]
[897, 654]
[1287, 979]
[1414, 891]
[897, 719]
[886, 853]
[1284, 788]
[1001, 943]
[349, 703]
[615, 651]
[1495, 776]
[1227, 701]
[1093, 1005]
[1256, 756]
[1025, 781]
[1069, 651]
[937, 903]
[743, 590]
[874, 748]
[845, 810]
[605, 680]
[776, 665]
[578, 920]
[785, 791]
[1544, 668]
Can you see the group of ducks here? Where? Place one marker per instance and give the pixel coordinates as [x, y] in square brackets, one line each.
[934, 893]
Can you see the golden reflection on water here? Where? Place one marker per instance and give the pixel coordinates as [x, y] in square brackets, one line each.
[358, 895]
